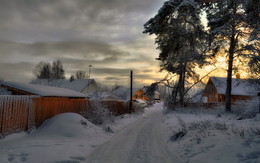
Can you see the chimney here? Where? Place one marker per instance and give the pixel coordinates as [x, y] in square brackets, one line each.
[71, 78]
[237, 76]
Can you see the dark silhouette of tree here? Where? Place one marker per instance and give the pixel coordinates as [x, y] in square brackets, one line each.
[43, 71]
[253, 19]
[229, 27]
[181, 39]
[57, 70]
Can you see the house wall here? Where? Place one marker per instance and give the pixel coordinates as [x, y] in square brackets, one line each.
[221, 98]
[213, 96]
[140, 95]
[92, 87]
[235, 98]
[211, 93]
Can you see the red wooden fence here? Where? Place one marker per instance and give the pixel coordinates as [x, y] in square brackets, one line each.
[116, 107]
[45, 108]
[20, 113]
[14, 112]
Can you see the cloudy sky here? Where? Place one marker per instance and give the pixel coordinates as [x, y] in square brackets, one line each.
[104, 33]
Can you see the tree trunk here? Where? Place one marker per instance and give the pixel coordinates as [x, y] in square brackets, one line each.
[233, 42]
[182, 85]
[176, 91]
[229, 73]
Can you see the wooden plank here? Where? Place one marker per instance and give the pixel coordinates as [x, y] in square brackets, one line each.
[1, 114]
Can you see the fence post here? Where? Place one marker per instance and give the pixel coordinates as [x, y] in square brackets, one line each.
[30, 113]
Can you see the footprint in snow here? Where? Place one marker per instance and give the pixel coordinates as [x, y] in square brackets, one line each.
[15, 157]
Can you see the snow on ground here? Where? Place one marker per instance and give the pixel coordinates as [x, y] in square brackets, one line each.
[65, 138]
[143, 141]
[204, 136]
[212, 137]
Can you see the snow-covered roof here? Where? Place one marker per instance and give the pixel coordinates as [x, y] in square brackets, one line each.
[245, 87]
[123, 93]
[42, 90]
[76, 85]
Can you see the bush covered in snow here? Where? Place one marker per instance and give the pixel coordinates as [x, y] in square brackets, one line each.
[98, 115]
[200, 125]
[247, 109]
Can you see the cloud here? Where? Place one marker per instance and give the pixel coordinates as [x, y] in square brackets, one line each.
[54, 20]
[105, 34]
[14, 71]
[109, 61]
[95, 51]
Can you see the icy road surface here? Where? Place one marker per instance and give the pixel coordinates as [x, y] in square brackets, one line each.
[143, 141]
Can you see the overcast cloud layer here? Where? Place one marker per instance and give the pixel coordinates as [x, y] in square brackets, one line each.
[105, 34]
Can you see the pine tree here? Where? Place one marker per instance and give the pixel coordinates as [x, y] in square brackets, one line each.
[229, 29]
[181, 40]
[253, 19]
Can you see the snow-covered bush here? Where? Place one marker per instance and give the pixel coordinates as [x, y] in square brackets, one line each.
[121, 93]
[168, 102]
[98, 115]
[246, 109]
[98, 95]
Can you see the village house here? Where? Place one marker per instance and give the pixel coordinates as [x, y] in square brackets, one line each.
[242, 89]
[43, 102]
[14, 88]
[140, 94]
[80, 85]
[145, 95]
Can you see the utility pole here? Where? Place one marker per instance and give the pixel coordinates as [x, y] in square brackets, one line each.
[89, 71]
[131, 93]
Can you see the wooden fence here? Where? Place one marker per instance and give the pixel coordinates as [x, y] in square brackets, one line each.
[14, 114]
[45, 108]
[116, 107]
[20, 113]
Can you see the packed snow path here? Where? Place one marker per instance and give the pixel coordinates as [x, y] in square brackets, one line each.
[141, 142]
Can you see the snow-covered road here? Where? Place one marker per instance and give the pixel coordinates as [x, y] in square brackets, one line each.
[141, 142]
[138, 138]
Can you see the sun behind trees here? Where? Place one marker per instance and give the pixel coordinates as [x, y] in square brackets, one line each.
[233, 28]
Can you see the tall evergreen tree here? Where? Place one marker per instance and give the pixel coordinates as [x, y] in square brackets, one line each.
[229, 29]
[181, 40]
[253, 19]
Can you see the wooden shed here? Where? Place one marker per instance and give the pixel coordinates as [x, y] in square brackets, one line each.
[242, 89]
[48, 101]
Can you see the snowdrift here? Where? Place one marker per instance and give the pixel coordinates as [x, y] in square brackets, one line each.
[68, 125]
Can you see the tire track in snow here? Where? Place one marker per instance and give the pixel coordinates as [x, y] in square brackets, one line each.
[141, 142]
